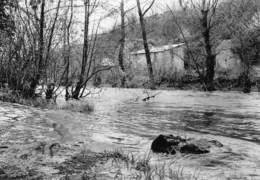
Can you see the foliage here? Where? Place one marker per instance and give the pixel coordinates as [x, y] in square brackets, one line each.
[17, 98]
[242, 26]
[247, 46]
[6, 20]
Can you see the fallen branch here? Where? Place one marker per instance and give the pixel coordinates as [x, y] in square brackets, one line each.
[149, 96]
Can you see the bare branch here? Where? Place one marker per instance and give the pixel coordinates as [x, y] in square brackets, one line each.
[52, 31]
[188, 47]
[149, 7]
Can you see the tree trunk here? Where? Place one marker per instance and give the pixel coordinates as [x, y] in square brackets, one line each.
[40, 64]
[247, 81]
[76, 92]
[41, 41]
[146, 46]
[67, 50]
[67, 60]
[79, 85]
[122, 44]
[210, 57]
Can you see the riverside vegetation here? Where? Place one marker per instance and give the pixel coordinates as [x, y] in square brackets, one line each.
[44, 47]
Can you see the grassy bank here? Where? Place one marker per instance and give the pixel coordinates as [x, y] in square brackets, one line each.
[40, 102]
[98, 166]
[119, 165]
[32, 164]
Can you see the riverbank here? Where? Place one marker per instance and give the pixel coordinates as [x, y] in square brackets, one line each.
[191, 83]
[41, 102]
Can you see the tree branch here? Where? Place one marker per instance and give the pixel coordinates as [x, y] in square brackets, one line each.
[148, 8]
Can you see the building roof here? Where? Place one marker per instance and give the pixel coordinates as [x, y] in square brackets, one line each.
[158, 49]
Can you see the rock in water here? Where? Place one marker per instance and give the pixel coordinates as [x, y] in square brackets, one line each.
[170, 144]
[192, 149]
[161, 145]
[166, 144]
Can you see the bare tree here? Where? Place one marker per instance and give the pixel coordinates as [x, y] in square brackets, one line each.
[40, 63]
[193, 58]
[51, 35]
[67, 50]
[122, 42]
[80, 84]
[205, 11]
[208, 10]
[89, 66]
[141, 14]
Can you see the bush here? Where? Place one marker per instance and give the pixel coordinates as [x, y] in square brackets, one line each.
[77, 106]
[16, 98]
[137, 82]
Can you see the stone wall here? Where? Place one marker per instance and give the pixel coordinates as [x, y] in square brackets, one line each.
[168, 63]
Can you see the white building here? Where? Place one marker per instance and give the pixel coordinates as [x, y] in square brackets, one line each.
[167, 60]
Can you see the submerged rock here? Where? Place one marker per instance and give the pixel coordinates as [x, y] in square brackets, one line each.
[170, 144]
[193, 149]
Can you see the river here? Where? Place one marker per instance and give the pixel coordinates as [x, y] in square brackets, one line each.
[121, 120]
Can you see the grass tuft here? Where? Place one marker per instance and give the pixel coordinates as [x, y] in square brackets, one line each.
[77, 106]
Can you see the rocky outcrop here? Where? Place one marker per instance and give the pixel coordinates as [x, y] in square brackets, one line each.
[171, 144]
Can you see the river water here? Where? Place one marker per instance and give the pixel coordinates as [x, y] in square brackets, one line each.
[121, 120]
